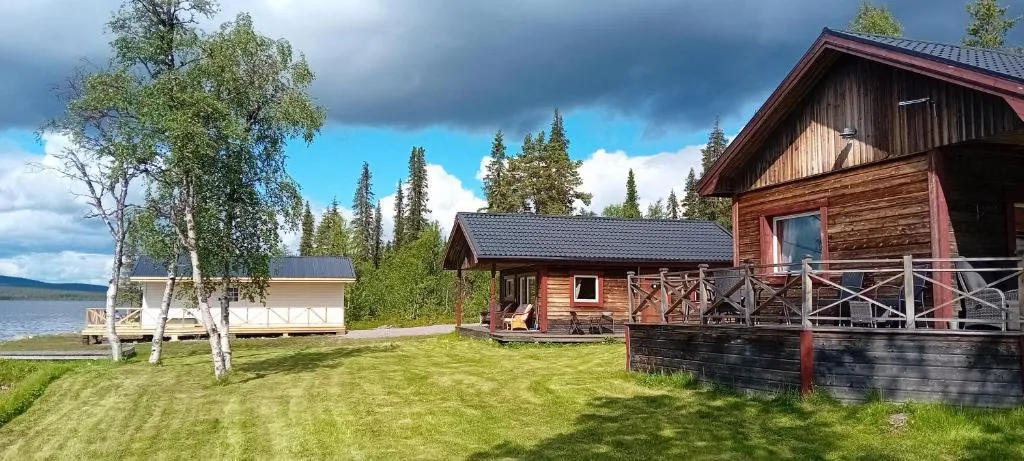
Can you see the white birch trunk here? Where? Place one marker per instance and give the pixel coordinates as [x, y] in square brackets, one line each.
[111, 306]
[165, 307]
[225, 328]
[202, 299]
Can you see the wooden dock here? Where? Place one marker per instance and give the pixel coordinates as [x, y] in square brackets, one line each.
[128, 350]
[533, 336]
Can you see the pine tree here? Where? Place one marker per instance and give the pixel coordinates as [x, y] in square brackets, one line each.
[497, 182]
[362, 215]
[416, 219]
[631, 206]
[308, 230]
[711, 208]
[989, 24]
[378, 235]
[672, 206]
[562, 181]
[877, 20]
[399, 232]
[332, 237]
[690, 197]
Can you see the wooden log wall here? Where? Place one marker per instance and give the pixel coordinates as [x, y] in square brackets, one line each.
[762, 359]
[876, 211]
[969, 368]
[614, 297]
[862, 94]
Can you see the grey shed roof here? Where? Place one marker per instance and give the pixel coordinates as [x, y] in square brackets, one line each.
[312, 267]
[578, 238]
[998, 63]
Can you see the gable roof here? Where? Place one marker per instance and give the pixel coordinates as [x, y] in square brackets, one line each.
[988, 71]
[288, 267]
[528, 236]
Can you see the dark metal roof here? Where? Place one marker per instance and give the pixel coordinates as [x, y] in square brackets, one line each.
[579, 238]
[994, 62]
[313, 267]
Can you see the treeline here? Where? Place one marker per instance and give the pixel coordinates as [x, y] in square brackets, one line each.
[401, 278]
[692, 206]
[989, 23]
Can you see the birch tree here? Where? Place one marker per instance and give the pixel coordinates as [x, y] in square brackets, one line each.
[105, 156]
[155, 235]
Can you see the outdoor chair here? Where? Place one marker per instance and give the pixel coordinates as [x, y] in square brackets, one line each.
[575, 327]
[730, 291]
[505, 310]
[985, 302]
[518, 319]
[898, 303]
[852, 282]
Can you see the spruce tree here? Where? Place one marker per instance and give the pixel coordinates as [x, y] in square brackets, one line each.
[690, 203]
[362, 215]
[308, 230]
[711, 208]
[877, 20]
[378, 235]
[399, 233]
[560, 187]
[416, 219]
[631, 206]
[673, 204]
[989, 25]
[497, 181]
[332, 237]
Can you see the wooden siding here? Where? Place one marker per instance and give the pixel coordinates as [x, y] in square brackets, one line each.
[862, 94]
[764, 360]
[979, 183]
[614, 297]
[874, 211]
[970, 368]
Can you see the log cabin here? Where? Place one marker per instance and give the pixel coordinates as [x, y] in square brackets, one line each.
[566, 265]
[878, 216]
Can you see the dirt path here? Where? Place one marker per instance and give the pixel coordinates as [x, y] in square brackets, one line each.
[395, 332]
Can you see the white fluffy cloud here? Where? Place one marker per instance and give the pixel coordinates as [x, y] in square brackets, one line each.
[446, 195]
[604, 175]
[62, 266]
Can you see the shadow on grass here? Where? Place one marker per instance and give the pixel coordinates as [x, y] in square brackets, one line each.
[704, 423]
[304, 360]
[998, 442]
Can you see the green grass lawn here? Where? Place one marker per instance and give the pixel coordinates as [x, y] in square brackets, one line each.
[444, 398]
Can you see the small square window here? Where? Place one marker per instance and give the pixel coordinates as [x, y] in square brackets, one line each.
[585, 288]
[233, 294]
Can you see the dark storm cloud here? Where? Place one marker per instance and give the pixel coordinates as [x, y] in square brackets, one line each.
[473, 64]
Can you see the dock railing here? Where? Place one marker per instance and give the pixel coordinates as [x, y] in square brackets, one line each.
[908, 292]
[242, 316]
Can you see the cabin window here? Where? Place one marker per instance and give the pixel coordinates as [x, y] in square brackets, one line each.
[527, 289]
[1018, 227]
[585, 289]
[509, 282]
[232, 294]
[795, 237]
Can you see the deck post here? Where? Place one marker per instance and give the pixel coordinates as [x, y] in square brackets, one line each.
[458, 298]
[629, 352]
[806, 334]
[542, 298]
[1014, 314]
[629, 294]
[492, 306]
[664, 293]
[702, 292]
[908, 290]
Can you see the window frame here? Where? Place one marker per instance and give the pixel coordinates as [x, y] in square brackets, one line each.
[232, 294]
[599, 289]
[506, 280]
[525, 295]
[769, 241]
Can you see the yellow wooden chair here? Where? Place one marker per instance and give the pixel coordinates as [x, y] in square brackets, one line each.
[518, 320]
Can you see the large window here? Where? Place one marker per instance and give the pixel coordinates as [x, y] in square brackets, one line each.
[527, 289]
[796, 237]
[586, 289]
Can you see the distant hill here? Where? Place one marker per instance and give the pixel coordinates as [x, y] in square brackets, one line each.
[22, 288]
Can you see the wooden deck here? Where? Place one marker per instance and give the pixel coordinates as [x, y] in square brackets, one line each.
[533, 336]
[175, 332]
[91, 354]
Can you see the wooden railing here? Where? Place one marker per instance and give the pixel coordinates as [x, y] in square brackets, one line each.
[895, 293]
[96, 316]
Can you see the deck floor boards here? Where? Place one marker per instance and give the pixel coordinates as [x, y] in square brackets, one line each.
[505, 336]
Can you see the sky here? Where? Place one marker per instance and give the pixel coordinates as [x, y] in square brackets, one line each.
[639, 83]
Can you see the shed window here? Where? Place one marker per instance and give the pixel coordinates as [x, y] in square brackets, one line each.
[795, 237]
[585, 288]
[232, 294]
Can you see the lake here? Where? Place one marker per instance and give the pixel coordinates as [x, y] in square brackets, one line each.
[31, 318]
